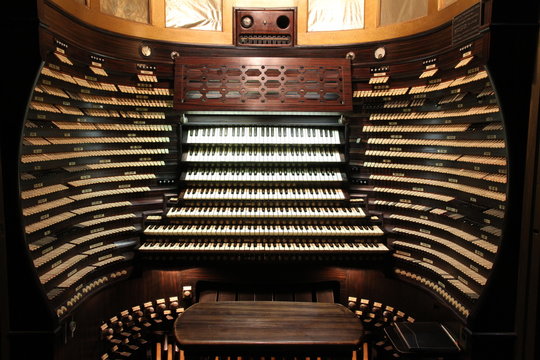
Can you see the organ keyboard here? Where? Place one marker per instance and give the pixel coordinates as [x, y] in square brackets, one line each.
[276, 153]
[248, 230]
[263, 135]
[214, 173]
[247, 190]
[263, 194]
[215, 246]
[265, 212]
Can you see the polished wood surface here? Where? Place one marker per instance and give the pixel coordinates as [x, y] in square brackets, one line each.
[268, 325]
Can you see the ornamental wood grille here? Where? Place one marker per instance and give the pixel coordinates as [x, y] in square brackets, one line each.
[262, 83]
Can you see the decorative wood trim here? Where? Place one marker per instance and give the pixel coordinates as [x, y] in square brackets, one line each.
[157, 13]
[257, 83]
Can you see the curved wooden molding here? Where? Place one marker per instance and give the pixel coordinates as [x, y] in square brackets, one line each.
[156, 30]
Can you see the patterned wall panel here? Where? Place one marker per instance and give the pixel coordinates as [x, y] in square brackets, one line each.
[262, 84]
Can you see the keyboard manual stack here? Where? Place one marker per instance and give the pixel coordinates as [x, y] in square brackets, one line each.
[265, 188]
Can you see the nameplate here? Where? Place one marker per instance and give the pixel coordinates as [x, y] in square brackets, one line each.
[401, 252]
[43, 252]
[72, 272]
[108, 256]
[93, 231]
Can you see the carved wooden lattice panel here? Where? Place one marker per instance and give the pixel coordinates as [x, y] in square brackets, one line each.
[258, 83]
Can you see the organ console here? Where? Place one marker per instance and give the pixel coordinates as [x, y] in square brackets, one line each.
[152, 174]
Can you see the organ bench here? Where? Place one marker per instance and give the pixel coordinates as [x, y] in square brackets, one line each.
[268, 328]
